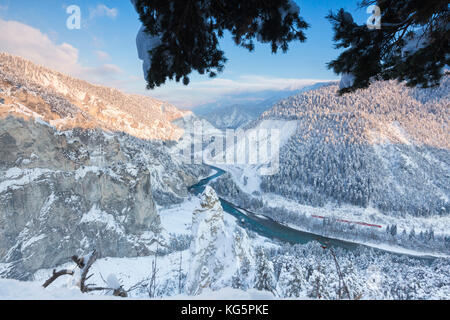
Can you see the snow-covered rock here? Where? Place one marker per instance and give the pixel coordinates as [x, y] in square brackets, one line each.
[347, 80]
[216, 253]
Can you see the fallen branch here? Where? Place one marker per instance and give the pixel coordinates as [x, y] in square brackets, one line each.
[85, 267]
[56, 275]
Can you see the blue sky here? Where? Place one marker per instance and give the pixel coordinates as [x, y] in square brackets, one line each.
[104, 51]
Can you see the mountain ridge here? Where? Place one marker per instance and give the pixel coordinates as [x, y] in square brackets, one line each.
[386, 147]
[66, 102]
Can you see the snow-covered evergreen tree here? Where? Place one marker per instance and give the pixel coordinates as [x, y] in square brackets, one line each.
[409, 42]
[264, 273]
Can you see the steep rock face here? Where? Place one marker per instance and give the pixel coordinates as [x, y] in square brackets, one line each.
[231, 117]
[57, 200]
[143, 128]
[81, 167]
[217, 252]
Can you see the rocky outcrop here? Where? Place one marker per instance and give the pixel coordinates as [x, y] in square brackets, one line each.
[60, 196]
[218, 251]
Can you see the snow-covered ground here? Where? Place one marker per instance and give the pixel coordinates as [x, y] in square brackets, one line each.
[134, 273]
[129, 271]
[440, 224]
[405, 251]
[19, 290]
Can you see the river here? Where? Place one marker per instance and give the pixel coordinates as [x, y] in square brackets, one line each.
[269, 228]
[266, 226]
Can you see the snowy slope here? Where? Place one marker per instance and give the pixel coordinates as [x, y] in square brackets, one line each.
[30, 90]
[385, 147]
[17, 290]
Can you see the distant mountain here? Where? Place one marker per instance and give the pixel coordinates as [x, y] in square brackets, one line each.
[231, 117]
[240, 111]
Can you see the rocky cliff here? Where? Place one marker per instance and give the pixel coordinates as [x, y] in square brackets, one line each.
[218, 251]
[73, 177]
[56, 200]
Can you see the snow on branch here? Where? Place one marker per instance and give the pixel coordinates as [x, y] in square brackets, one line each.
[84, 264]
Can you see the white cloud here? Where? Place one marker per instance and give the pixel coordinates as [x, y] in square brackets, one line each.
[30, 43]
[101, 11]
[102, 55]
[22, 40]
[106, 69]
[244, 88]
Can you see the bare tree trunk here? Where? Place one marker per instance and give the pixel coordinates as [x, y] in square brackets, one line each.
[120, 292]
[341, 277]
[180, 272]
[85, 271]
[152, 284]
